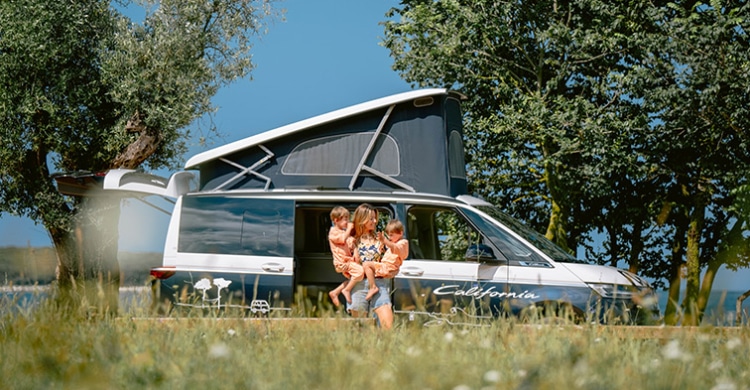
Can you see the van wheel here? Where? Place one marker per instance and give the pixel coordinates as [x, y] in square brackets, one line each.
[551, 313]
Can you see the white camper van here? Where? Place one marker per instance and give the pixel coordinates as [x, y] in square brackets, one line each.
[254, 232]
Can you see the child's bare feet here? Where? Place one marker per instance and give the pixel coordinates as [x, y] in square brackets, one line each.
[334, 297]
[371, 292]
[347, 295]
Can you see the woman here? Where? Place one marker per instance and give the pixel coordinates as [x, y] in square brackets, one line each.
[369, 248]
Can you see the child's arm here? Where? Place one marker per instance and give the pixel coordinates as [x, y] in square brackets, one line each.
[386, 241]
[356, 256]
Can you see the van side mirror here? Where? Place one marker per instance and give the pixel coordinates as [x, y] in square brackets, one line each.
[480, 253]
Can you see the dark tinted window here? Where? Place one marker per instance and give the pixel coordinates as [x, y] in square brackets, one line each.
[536, 239]
[236, 226]
[511, 247]
[438, 233]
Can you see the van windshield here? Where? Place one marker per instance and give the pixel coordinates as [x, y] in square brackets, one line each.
[539, 241]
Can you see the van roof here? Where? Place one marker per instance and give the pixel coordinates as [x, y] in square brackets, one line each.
[346, 196]
[286, 130]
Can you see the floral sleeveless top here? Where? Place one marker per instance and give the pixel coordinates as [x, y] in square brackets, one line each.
[370, 250]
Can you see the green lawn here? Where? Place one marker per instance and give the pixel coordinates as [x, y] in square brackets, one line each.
[43, 348]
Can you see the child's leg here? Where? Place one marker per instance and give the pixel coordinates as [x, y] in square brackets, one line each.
[334, 294]
[370, 273]
[347, 291]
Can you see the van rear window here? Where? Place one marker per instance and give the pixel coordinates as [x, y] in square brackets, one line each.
[236, 226]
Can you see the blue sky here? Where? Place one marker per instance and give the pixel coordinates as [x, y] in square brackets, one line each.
[324, 56]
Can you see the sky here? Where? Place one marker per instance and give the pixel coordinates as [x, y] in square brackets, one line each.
[324, 56]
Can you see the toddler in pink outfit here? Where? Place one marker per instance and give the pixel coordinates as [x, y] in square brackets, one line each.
[342, 247]
[388, 266]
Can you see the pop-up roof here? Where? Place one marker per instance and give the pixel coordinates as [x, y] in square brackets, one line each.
[411, 142]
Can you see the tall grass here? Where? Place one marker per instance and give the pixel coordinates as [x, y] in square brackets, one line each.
[45, 347]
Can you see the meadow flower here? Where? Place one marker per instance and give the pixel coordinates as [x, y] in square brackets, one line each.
[724, 384]
[673, 351]
[231, 332]
[733, 343]
[218, 351]
[715, 365]
[492, 376]
[449, 337]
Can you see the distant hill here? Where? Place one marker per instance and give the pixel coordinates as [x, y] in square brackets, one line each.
[36, 265]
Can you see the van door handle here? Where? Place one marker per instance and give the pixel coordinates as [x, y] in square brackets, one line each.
[272, 267]
[412, 271]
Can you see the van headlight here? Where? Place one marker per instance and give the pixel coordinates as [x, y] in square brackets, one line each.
[608, 290]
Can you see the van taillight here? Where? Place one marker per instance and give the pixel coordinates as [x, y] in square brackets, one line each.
[163, 272]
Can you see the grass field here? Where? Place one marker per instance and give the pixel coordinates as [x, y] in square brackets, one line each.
[45, 348]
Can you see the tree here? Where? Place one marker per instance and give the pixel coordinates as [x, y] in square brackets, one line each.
[84, 88]
[618, 122]
[695, 85]
[546, 124]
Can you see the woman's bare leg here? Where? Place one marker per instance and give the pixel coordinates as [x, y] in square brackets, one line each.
[385, 316]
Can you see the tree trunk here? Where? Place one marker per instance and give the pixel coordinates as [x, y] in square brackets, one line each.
[708, 282]
[88, 273]
[557, 227]
[142, 148]
[692, 258]
[634, 262]
[671, 314]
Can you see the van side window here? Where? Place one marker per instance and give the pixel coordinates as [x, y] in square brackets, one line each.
[439, 234]
[236, 226]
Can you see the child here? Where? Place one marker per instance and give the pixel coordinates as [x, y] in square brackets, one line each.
[398, 250]
[342, 244]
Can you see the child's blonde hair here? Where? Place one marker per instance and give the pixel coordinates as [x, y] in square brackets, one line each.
[339, 212]
[394, 225]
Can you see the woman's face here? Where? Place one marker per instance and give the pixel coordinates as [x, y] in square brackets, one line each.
[371, 222]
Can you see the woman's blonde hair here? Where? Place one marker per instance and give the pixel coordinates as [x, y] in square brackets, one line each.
[361, 215]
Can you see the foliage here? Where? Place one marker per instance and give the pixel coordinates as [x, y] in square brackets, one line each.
[49, 350]
[85, 88]
[619, 123]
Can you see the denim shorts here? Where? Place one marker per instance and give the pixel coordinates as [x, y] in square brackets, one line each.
[360, 304]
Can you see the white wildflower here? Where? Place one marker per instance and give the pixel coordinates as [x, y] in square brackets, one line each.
[651, 300]
[733, 343]
[218, 351]
[231, 332]
[492, 376]
[724, 384]
[386, 376]
[449, 337]
[673, 351]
